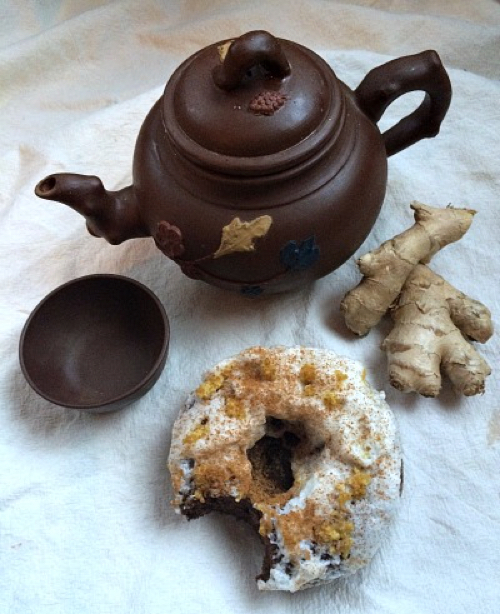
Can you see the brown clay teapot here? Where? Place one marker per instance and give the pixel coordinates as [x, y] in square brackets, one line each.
[257, 169]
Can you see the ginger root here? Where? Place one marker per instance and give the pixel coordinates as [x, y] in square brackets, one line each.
[385, 269]
[430, 314]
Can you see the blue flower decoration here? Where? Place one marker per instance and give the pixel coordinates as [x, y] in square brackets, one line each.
[299, 256]
[251, 290]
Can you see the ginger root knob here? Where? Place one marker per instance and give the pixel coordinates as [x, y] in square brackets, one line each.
[386, 268]
[430, 317]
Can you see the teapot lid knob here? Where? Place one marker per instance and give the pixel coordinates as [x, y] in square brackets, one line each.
[248, 51]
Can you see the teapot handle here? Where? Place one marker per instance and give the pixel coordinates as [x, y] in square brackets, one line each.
[250, 49]
[381, 86]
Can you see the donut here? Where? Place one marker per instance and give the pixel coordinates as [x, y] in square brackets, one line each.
[297, 443]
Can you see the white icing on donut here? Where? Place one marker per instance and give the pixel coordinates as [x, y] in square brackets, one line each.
[346, 466]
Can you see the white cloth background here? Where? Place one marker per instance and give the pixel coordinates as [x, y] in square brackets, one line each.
[85, 523]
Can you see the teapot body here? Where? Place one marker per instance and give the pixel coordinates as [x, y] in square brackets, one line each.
[320, 210]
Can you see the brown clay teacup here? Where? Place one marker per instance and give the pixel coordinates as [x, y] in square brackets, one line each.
[96, 343]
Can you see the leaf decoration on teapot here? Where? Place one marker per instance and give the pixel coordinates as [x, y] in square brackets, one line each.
[239, 236]
[168, 239]
[297, 256]
[252, 290]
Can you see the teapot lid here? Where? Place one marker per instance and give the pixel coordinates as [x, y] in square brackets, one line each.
[251, 105]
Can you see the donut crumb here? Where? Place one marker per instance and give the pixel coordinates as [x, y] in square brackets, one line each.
[332, 400]
[234, 409]
[196, 434]
[267, 369]
[210, 386]
[307, 373]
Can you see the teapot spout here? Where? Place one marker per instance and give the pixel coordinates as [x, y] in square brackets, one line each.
[115, 216]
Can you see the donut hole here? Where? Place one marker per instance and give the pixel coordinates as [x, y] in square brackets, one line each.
[271, 456]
